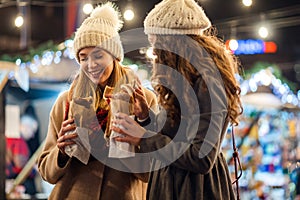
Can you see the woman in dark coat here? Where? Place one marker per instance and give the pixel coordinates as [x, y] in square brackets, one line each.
[194, 77]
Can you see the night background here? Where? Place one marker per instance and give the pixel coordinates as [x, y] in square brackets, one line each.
[50, 21]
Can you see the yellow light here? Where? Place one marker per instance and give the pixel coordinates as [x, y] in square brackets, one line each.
[87, 8]
[128, 15]
[19, 21]
[263, 32]
[247, 3]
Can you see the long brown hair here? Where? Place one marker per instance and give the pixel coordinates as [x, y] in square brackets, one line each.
[183, 61]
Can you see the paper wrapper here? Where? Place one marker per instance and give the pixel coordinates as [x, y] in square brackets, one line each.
[81, 150]
[83, 113]
[120, 149]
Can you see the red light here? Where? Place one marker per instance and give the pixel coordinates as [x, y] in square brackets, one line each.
[270, 47]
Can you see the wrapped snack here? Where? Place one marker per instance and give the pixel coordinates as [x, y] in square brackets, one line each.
[122, 101]
[84, 115]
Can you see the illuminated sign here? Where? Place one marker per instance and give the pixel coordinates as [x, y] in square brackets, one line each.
[251, 46]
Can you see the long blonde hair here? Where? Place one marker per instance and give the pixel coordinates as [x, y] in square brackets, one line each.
[82, 86]
[227, 65]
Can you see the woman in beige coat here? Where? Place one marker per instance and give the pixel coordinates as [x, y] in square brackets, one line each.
[94, 175]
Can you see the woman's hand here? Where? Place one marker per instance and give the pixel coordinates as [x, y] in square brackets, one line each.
[141, 108]
[63, 139]
[131, 130]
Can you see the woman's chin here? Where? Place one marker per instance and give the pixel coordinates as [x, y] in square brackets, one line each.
[95, 80]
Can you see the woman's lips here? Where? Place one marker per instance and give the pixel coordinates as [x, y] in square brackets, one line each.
[96, 73]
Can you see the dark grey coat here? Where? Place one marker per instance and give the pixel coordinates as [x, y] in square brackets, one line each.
[189, 164]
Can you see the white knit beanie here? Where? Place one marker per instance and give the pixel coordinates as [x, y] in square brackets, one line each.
[176, 17]
[101, 29]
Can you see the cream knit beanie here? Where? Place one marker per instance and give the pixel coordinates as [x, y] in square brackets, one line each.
[101, 29]
[178, 17]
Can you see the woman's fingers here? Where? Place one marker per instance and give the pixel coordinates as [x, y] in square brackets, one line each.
[118, 130]
[62, 145]
[67, 137]
[69, 128]
[132, 132]
[139, 94]
[67, 125]
[64, 140]
[129, 139]
[123, 139]
[124, 122]
[67, 122]
[141, 107]
[126, 125]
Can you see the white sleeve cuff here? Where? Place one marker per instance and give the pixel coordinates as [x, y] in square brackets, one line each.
[142, 120]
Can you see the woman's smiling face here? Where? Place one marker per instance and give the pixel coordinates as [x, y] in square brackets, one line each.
[97, 63]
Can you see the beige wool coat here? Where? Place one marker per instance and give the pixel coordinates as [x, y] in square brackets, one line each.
[94, 181]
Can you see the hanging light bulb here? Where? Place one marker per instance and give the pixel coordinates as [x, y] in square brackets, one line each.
[263, 32]
[87, 8]
[247, 3]
[128, 14]
[19, 21]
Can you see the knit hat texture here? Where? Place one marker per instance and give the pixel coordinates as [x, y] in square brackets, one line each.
[176, 17]
[101, 29]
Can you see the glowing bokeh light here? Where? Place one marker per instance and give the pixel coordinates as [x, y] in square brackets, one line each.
[233, 45]
[87, 8]
[128, 15]
[19, 21]
[247, 3]
[263, 32]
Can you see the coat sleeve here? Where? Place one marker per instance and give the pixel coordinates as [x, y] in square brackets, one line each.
[144, 161]
[50, 164]
[151, 100]
[197, 141]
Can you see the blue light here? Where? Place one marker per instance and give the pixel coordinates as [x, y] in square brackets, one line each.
[58, 53]
[250, 46]
[56, 60]
[36, 58]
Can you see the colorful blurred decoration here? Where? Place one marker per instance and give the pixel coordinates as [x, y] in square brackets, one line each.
[268, 135]
[47, 63]
[265, 88]
[251, 46]
[269, 145]
[262, 100]
[272, 70]
[51, 63]
[22, 78]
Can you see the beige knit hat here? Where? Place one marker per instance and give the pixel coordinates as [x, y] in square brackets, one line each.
[101, 29]
[178, 17]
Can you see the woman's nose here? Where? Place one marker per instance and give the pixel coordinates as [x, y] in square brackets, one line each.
[91, 62]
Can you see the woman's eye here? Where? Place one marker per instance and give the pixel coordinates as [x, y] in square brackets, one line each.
[98, 56]
[83, 59]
